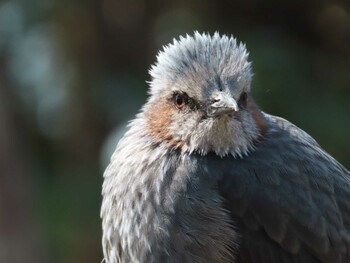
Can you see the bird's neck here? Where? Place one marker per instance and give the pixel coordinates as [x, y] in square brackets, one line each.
[226, 136]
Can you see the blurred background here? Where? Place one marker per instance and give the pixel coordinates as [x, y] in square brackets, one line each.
[73, 72]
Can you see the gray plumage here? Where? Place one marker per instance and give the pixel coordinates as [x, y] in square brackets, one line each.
[203, 175]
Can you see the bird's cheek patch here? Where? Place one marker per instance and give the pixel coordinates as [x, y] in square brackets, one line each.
[159, 118]
[257, 115]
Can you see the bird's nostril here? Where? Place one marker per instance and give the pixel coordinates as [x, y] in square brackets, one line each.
[216, 98]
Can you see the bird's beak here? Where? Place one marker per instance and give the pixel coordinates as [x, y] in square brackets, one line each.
[222, 103]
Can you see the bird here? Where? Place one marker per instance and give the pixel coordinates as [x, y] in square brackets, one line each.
[204, 175]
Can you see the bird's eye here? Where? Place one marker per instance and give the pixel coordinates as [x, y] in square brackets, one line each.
[242, 102]
[180, 100]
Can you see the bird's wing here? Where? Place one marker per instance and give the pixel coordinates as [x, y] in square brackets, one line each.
[289, 199]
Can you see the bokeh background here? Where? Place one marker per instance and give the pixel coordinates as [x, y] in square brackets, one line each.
[72, 72]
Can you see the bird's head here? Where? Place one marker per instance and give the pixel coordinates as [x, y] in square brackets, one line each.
[200, 97]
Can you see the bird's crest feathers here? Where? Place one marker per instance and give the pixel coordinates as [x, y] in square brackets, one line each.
[200, 53]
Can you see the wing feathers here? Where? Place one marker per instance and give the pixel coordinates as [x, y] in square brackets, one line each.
[291, 199]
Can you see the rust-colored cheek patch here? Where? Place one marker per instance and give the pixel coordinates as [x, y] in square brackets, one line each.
[160, 116]
[258, 116]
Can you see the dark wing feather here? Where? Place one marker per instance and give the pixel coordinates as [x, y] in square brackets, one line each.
[289, 199]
